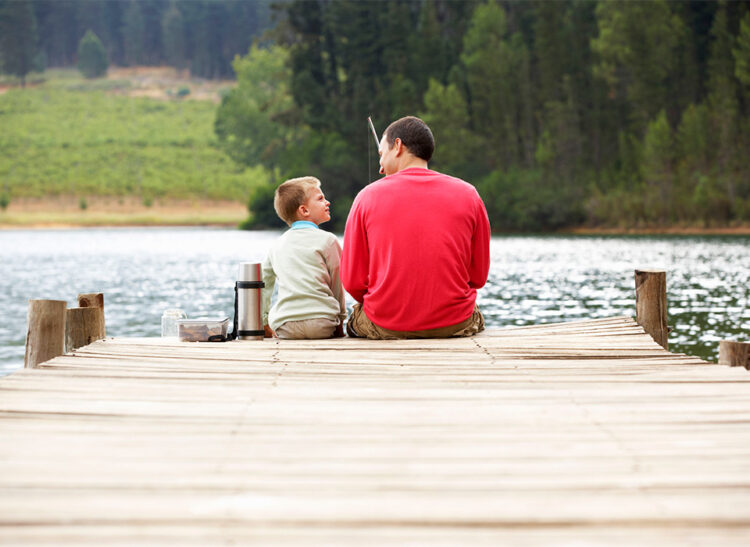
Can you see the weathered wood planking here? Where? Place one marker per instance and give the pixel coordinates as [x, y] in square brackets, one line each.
[584, 433]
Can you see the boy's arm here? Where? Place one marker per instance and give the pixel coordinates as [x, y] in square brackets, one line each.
[269, 278]
[333, 263]
[355, 258]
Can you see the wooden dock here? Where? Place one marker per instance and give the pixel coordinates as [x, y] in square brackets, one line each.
[579, 433]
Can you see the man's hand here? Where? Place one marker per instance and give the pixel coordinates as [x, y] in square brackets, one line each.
[339, 332]
[268, 332]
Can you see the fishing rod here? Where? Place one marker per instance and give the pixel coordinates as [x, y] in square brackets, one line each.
[374, 133]
[377, 147]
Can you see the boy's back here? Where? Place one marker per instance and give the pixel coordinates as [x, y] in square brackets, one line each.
[304, 265]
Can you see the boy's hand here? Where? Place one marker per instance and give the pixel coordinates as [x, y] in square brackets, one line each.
[268, 332]
[339, 332]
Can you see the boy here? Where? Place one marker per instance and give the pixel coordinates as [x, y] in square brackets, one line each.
[304, 263]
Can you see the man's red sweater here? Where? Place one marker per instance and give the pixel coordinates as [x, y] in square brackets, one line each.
[416, 249]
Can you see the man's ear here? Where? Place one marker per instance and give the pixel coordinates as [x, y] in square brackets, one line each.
[398, 146]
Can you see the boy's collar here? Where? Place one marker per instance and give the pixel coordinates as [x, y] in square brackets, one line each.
[299, 224]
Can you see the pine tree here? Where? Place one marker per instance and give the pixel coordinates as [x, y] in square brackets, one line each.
[741, 53]
[638, 50]
[59, 31]
[92, 59]
[551, 48]
[498, 77]
[742, 73]
[18, 37]
[694, 157]
[448, 116]
[173, 36]
[723, 103]
[657, 168]
[430, 54]
[133, 33]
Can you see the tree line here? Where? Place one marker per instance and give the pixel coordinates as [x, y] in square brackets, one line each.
[614, 113]
[200, 35]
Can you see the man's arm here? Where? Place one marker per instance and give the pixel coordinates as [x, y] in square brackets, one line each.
[355, 258]
[480, 247]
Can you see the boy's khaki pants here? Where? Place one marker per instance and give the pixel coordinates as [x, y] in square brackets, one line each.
[360, 326]
[308, 329]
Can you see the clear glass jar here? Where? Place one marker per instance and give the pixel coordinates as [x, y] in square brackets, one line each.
[169, 321]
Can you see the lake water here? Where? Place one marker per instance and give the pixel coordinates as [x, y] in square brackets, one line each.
[143, 271]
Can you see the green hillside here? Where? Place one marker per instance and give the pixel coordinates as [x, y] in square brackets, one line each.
[69, 136]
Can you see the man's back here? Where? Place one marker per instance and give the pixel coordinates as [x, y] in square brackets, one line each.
[416, 249]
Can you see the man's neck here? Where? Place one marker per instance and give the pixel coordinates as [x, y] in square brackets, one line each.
[412, 161]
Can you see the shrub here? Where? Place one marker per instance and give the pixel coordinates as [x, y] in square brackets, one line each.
[527, 200]
[262, 213]
[4, 201]
[92, 58]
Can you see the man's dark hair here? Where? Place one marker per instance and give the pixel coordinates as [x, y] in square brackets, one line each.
[414, 134]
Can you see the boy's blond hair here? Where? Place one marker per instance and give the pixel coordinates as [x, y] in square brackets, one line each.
[290, 195]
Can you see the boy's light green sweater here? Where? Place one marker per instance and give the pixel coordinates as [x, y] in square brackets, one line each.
[304, 263]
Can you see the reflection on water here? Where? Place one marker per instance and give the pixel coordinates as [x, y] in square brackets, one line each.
[143, 271]
[554, 278]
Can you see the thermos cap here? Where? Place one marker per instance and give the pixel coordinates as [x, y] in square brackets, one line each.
[249, 271]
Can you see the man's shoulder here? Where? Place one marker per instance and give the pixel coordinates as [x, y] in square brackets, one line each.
[449, 185]
[459, 183]
[400, 182]
[389, 183]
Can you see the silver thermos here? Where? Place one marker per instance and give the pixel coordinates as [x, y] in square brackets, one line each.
[249, 302]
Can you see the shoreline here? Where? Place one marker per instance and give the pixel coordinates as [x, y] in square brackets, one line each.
[64, 226]
[201, 221]
[743, 230]
[66, 213]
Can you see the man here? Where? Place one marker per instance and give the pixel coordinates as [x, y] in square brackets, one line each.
[416, 246]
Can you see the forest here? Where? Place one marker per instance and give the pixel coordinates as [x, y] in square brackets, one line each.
[200, 35]
[623, 114]
[562, 114]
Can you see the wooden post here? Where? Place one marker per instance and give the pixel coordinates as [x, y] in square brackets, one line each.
[91, 300]
[651, 304]
[83, 326]
[45, 337]
[95, 300]
[734, 354]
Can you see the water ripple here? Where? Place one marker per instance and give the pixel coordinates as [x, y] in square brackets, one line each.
[544, 279]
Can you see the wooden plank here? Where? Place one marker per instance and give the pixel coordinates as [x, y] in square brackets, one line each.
[564, 433]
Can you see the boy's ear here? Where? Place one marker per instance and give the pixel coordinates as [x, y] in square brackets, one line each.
[303, 211]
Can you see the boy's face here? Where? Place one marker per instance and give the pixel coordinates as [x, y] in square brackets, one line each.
[315, 209]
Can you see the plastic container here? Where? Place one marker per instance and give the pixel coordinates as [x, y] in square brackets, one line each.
[202, 330]
[169, 321]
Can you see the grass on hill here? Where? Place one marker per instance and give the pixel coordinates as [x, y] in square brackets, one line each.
[69, 136]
